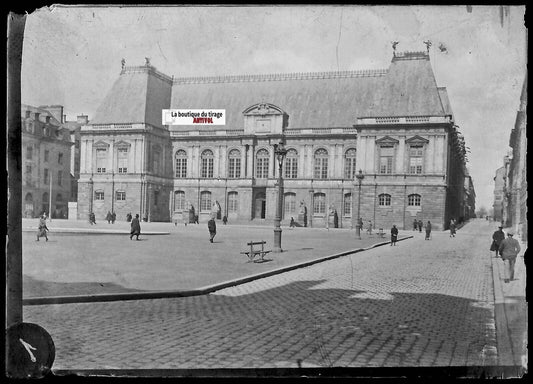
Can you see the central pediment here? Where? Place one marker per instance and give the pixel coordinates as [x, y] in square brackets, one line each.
[264, 118]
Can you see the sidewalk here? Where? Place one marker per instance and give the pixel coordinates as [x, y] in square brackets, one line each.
[510, 308]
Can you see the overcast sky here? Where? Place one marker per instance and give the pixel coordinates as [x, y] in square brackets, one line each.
[72, 55]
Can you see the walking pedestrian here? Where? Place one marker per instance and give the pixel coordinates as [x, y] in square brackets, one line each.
[225, 219]
[369, 228]
[415, 224]
[92, 218]
[497, 238]
[292, 224]
[360, 224]
[135, 227]
[420, 225]
[428, 230]
[509, 249]
[113, 217]
[196, 219]
[393, 235]
[452, 228]
[212, 226]
[108, 217]
[42, 229]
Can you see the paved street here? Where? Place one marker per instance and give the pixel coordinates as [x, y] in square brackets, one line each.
[421, 303]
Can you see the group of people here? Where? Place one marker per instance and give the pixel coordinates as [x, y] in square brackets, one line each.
[506, 248]
[111, 217]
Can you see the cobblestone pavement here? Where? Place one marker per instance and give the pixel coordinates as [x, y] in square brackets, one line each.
[421, 303]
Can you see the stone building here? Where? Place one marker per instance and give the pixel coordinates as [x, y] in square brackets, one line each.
[516, 188]
[395, 125]
[499, 185]
[46, 162]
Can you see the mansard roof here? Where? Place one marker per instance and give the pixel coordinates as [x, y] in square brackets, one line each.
[312, 100]
[137, 96]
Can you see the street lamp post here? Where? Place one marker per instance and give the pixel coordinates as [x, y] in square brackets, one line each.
[360, 178]
[280, 152]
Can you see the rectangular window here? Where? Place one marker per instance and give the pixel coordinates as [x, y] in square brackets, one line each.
[60, 158]
[181, 167]
[46, 155]
[234, 168]
[207, 167]
[122, 160]
[99, 195]
[46, 176]
[319, 207]
[28, 174]
[121, 195]
[321, 168]
[179, 201]
[385, 159]
[29, 152]
[291, 168]
[349, 168]
[416, 156]
[262, 168]
[205, 202]
[156, 198]
[59, 177]
[233, 202]
[384, 200]
[414, 200]
[347, 211]
[290, 204]
[101, 160]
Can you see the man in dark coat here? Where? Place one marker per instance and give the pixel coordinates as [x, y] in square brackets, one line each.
[428, 230]
[135, 227]
[92, 218]
[497, 238]
[212, 226]
[41, 231]
[420, 225]
[113, 217]
[415, 224]
[108, 217]
[509, 249]
[393, 235]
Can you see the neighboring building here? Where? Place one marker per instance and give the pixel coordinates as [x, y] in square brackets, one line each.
[470, 197]
[46, 162]
[395, 125]
[516, 191]
[74, 128]
[499, 184]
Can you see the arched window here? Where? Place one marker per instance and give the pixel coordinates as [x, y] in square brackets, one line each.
[321, 164]
[319, 206]
[290, 204]
[234, 164]
[179, 201]
[414, 200]
[384, 200]
[347, 209]
[99, 195]
[120, 195]
[181, 163]
[349, 164]
[207, 164]
[291, 164]
[205, 201]
[233, 200]
[28, 198]
[261, 170]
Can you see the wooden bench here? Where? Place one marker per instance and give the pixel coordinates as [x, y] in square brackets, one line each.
[255, 251]
[381, 233]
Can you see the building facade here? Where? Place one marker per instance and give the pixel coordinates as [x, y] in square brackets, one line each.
[516, 189]
[499, 185]
[46, 155]
[394, 125]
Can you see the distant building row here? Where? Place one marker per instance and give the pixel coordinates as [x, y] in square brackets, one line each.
[510, 189]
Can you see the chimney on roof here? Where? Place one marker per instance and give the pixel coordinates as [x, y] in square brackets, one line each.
[64, 119]
[82, 119]
[36, 116]
[28, 114]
